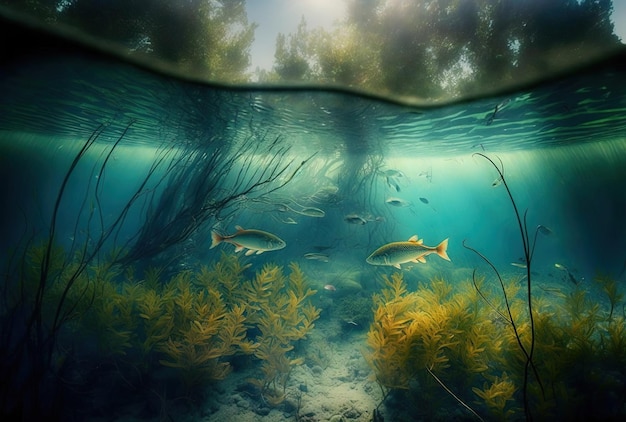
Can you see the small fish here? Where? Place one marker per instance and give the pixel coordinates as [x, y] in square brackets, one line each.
[320, 248]
[330, 288]
[317, 256]
[569, 274]
[498, 108]
[311, 212]
[393, 173]
[518, 265]
[497, 182]
[397, 202]
[256, 241]
[546, 231]
[413, 250]
[424, 200]
[289, 220]
[354, 219]
[392, 183]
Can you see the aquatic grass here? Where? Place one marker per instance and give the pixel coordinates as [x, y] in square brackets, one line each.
[48, 287]
[203, 183]
[529, 249]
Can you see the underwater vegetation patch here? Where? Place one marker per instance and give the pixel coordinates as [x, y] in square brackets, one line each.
[153, 339]
[445, 335]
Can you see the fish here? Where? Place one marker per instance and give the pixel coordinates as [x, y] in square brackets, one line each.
[569, 274]
[413, 250]
[546, 231]
[392, 183]
[307, 211]
[311, 212]
[397, 202]
[322, 247]
[317, 256]
[256, 241]
[393, 173]
[330, 287]
[518, 265]
[354, 219]
[496, 182]
[424, 200]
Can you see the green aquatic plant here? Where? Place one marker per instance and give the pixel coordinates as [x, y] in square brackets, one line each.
[280, 308]
[611, 289]
[433, 334]
[528, 248]
[48, 288]
[496, 396]
[198, 189]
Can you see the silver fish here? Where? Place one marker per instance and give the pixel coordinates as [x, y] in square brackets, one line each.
[317, 256]
[397, 202]
[355, 219]
[311, 212]
[256, 241]
[544, 230]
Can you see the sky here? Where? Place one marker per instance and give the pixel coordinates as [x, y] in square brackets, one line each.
[283, 16]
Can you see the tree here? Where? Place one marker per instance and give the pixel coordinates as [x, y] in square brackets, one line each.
[440, 50]
[207, 38]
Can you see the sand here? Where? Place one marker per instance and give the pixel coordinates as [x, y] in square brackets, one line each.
[334, 384]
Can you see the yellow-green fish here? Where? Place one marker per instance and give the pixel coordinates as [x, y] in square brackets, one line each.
[413, 250]
[256, 241]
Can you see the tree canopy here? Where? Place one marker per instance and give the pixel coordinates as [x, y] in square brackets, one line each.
[433, 50]
[446, 48]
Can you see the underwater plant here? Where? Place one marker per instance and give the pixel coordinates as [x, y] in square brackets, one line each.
[165, 337]
[457, 337]
[529, 249]
[435, 336]
[281, 310]
[204, 182]
[42, 281]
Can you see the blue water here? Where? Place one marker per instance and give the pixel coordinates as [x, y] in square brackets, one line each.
[163, 146]
[561, 146]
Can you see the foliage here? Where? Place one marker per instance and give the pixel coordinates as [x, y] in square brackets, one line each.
[189, 326]
[442, 49]
[213, 37]
[467, 344]
[280, 309]
[437, 50]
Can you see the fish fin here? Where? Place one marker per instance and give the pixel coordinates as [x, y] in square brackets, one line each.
[259, 252]
[216, 239]
[250, 252]
[421, 259]
[413, 238]
[238, 248]
[239, 228]
[397, 266]
[442, 248]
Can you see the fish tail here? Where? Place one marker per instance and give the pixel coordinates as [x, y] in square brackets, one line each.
[216, 239]
[442, 248]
